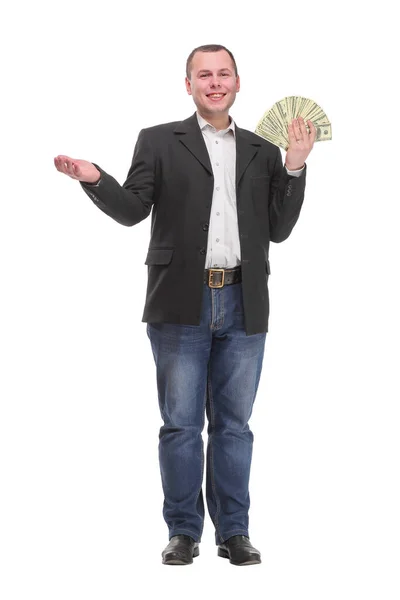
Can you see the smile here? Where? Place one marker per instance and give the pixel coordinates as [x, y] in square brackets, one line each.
[215, 97]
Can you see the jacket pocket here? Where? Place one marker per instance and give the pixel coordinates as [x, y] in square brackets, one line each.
[159, 256]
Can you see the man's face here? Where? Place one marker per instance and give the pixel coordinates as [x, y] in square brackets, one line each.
[213, 72]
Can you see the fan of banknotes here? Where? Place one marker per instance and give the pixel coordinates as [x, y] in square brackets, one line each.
[274, 124]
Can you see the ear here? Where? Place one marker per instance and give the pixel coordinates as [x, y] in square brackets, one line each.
[238, 83]
[188, 86]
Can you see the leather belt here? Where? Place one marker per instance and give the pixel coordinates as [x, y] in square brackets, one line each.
[217, 278]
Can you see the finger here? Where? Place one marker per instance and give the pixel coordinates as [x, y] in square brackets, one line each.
[297, 130]
[68, 163]
[303, 129]
[60, 163]
[65, 165]
[292, 137]
[313, 131]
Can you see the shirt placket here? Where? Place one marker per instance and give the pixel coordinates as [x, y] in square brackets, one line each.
[218, 214]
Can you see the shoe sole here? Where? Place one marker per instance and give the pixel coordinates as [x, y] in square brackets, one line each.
[224, 554]
[179, 561]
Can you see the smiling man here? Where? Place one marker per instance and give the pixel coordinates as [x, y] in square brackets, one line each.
[218, 195]
[213, 82]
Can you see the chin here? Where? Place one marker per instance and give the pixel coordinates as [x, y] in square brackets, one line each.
[221, 108]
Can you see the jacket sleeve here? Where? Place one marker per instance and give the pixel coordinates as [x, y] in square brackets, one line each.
[130, 203]
[285, 200]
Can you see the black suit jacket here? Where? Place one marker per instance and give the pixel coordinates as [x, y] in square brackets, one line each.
[171, 173]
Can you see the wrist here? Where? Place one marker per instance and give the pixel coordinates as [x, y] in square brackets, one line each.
[96, 181]
[291, 168]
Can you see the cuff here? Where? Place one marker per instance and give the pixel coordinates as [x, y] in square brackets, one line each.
[296, 173]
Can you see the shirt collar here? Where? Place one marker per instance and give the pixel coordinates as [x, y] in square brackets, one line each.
[203, 124]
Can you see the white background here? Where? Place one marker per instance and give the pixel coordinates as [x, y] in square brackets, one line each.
[81, 498]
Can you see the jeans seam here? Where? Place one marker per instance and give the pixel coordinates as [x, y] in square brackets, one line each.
[217, 320]
[223, 308]
[212, 416]
[212, 309]
[202, 453]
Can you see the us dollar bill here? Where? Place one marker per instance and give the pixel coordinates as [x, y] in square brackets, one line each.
[273, 126]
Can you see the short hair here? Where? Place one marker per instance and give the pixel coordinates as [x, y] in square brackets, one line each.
[208, 48]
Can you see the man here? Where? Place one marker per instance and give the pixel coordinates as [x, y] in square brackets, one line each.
[219, 195]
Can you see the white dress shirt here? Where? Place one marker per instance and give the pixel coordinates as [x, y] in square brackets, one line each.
[223, 247]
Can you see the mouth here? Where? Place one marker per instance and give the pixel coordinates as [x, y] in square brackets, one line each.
[215, 97]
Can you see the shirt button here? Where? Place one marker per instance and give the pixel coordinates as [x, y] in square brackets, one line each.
[217, 240]
[217, 189]
[218, 214]
[216, 141]
[217, 164]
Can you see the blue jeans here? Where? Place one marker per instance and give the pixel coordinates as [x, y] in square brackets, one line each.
[214, 368]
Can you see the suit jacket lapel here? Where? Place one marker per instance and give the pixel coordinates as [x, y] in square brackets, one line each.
[194, 141]
[246, 150]
[246, 147]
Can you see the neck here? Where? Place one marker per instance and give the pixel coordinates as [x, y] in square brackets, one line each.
[219, 121]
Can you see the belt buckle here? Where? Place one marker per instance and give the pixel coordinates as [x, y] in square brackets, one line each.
[210, 277]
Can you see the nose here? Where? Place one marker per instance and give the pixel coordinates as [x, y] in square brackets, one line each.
[215, 82]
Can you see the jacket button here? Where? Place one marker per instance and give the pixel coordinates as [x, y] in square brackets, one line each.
[203, 251]
[205, 227]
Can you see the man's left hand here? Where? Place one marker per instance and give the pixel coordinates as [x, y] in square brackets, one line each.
[300, 143]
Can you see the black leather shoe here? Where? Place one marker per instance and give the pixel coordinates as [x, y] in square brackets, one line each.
[180, 550]
[239, 551]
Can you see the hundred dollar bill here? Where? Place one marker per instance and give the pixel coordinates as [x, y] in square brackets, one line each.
[278, 140]
[324, 132]
[273, 125]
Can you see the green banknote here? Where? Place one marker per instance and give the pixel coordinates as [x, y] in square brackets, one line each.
[273, 126]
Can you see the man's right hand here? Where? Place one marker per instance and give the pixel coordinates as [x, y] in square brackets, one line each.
[82, 170]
